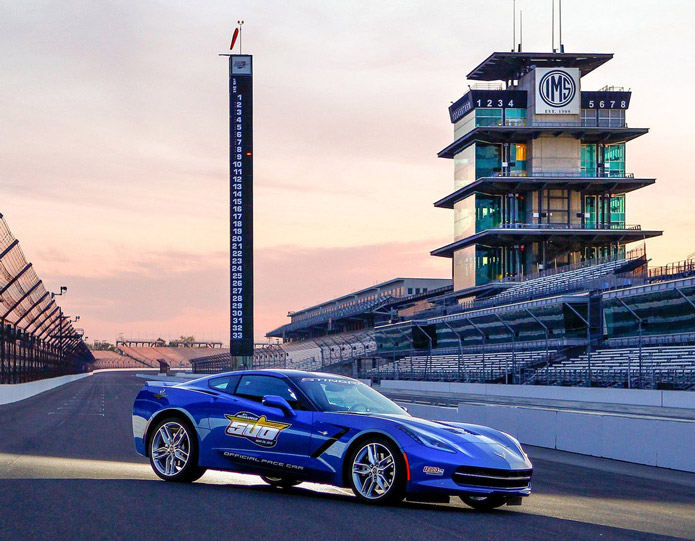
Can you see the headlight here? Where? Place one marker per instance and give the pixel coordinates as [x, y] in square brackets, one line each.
[427, 439]
[517, 444]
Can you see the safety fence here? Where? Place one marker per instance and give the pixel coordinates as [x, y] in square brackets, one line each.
[37, 340]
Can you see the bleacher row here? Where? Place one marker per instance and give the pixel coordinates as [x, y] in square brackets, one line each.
[149, 357]
[353, 310]
[563, 281]
[316, 353]
[665, 366]
[449, 367]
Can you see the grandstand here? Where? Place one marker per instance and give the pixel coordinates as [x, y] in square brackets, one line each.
[544, 289]
[177, 355]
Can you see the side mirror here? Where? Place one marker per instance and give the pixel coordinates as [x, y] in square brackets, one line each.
[273, 401]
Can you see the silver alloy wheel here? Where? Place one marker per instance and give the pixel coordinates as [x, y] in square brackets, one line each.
[170, 448]
[373, 471]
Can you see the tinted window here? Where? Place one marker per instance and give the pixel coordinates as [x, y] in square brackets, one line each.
[256, 387]
[226, 384]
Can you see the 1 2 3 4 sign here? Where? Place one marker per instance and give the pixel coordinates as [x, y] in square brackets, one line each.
[557, 91]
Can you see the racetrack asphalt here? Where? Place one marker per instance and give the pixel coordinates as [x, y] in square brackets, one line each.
[68, 470]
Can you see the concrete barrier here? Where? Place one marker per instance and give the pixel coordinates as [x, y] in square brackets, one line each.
[14, 392]
[633, 397]
[651, 441]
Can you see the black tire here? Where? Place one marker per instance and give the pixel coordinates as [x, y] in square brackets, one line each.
[484, 503]
[280, 482]
[374, 484]
[174, 460]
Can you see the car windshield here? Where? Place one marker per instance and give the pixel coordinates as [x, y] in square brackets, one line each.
[338, 394]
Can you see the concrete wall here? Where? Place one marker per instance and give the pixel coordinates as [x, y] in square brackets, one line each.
[15, 392]
[635, 397]
[652, 441]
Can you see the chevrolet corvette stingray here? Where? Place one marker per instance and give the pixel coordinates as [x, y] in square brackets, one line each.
[290, 426]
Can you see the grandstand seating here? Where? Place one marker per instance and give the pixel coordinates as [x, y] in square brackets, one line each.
[493, 366]
[316, 353]
[571, 280]
[673, 365]
[176, 358]
[111, 359]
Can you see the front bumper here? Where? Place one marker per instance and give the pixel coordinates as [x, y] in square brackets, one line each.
[439, 472]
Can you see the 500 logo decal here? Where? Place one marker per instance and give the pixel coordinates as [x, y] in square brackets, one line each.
[254, 428]
[557, 88]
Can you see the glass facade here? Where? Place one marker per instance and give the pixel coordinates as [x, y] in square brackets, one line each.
[603, 160]
[605, 118]
[488, 212]
[614, 160]
[602, 212]
[488, 264]
[489, 116]
[488, 160]
[518, 154]
[617, 205]
[515, 117]
[588, 160]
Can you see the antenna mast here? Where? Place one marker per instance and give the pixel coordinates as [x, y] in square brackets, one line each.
[521, 28]
[562, 47]
[552, 25]
[513, 25]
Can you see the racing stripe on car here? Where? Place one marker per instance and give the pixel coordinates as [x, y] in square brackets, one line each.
[327, 444]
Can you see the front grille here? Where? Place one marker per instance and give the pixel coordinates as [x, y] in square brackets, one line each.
[492, 478]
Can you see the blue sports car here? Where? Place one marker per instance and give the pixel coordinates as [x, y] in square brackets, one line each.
[290, 426]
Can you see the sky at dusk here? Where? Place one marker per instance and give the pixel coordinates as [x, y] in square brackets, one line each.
[114, 150]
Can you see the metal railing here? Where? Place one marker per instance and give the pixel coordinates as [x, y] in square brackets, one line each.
[36, 339]
[679, 269]
[611, 226]
[522, 122]
[632, 255]
[562, 174]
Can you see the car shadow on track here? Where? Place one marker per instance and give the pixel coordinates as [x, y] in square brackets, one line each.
[137, 509]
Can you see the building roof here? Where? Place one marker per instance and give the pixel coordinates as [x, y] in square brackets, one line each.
[505, 185]
[529, 233]
[520, 134]
[505, 66]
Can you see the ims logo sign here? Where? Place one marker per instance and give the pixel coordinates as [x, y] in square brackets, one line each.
[557, 88]
[557, 91]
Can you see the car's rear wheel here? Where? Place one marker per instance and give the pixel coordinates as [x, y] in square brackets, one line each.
[173, 451]
[377, 472]
[484, 503]
[280, 482]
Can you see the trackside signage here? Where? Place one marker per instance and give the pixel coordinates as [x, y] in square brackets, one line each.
[557, 91]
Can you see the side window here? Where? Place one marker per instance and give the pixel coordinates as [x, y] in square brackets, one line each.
[225, 384]
[256, 387]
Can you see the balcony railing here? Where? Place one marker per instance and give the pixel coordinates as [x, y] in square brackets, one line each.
[583, 123]
[612, 226]
[564, 174]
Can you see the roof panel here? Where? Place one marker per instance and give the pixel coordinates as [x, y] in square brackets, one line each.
[504, 66]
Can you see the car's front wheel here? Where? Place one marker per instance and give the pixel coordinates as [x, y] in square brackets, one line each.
[280, 482]
[377, 472]
[484, 503]
[174, 451]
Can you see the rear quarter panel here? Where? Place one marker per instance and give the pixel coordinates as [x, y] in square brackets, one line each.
[158, 401]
